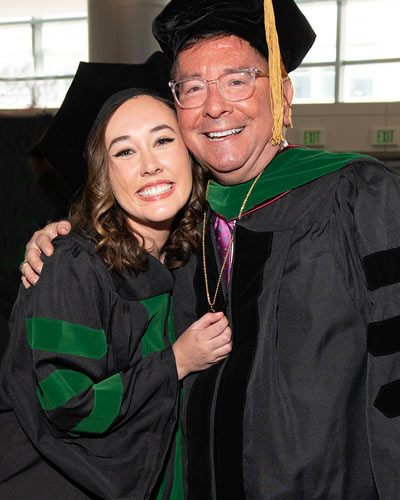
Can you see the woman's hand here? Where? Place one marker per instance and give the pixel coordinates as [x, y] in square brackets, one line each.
[40, 242]
[203, 344]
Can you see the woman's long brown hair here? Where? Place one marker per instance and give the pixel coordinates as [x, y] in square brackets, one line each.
[98, 216]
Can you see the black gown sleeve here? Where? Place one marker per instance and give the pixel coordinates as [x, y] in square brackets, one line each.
[374, 205]
[107, 427]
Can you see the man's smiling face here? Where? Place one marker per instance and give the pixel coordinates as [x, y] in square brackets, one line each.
[229, 137]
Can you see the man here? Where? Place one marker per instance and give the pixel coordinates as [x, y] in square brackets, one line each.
[306, 406]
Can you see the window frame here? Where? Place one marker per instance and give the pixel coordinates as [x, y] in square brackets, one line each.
[36, 25]
[340, 63]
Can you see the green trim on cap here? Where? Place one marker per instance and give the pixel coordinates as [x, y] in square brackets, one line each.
[66, 338]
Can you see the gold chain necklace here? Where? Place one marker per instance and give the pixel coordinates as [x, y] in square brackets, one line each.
[203, 244]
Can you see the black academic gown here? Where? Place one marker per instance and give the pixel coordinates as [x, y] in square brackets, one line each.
[89, 391]
[307, 404]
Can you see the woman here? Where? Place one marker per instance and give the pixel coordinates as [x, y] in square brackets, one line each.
[90, 391]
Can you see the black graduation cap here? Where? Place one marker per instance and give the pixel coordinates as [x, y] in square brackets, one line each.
[181, 20]
[64, 142]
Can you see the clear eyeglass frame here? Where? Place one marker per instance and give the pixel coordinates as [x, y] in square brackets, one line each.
[253, 72]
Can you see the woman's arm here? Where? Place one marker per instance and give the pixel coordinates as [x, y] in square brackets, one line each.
[78, 407]
[106, 424]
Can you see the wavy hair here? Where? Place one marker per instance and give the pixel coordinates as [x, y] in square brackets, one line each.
[98, 216]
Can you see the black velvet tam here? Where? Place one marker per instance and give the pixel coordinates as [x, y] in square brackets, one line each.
[182, 20]
[64, 142]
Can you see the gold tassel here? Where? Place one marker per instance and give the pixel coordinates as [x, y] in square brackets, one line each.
[276, 69]
[290, 115]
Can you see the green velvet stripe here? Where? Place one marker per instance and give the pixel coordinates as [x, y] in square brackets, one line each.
[153, 340]
[177, 485]
[59, 387]
[106, 406]
[66, 338]
[161, 490]
[289, 169]
[156, 308]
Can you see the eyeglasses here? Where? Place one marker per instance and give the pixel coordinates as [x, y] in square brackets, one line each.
[233, 85]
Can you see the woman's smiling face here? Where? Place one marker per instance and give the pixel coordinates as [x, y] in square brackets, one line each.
[149, 166]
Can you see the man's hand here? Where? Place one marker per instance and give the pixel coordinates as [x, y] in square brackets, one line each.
[40, 242]
[206, 342]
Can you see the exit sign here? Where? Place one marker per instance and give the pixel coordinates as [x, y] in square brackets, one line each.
[385, 136]
[313, 137]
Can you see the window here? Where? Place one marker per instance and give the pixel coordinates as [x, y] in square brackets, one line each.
[356, 56]
[41, 58]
